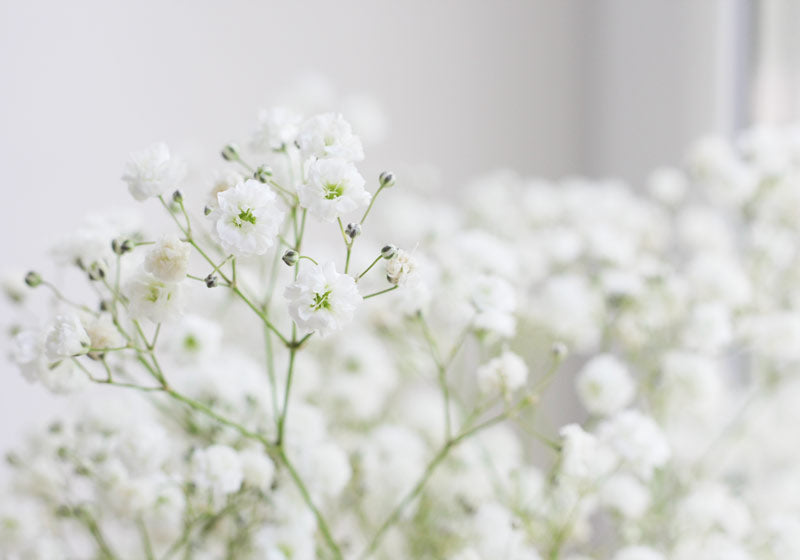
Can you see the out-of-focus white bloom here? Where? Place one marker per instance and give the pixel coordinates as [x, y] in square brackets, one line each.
[13, 285]
[709, 507]
[194, 339]
[277, 127]
[400, 267]
[152, 299]
[582, 457]
[168, 260]
[258, 470]
[572, 309]
[321, 300]
[248, 218]
[709, 328]
[637, 440]
[28, 353]
[103, 333]
[668, 185]
[495, 533]
[503, 374]
[495, 303]
[604, 385]
[329, 136]
[65, 337]
[333, 188]
[774, 336]
[624, 494]
[638, 553]
[152, 172]
[221, 181]
[217, 468]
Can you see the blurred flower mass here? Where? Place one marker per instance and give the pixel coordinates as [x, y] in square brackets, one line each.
[309, 363]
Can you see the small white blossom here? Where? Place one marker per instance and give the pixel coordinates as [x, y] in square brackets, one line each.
[329, 136]
[152, 172]
[400, 267]
[103, 333]
[604, 385]
[257, 468]
[153, 299]
[582, 455]
[217, 468]
[334, 188]
[494, 301]
[277, 127]
[248, 218]
[637, 441]
[168, 260]
[65, 337]
[504, 374]
[322, 300]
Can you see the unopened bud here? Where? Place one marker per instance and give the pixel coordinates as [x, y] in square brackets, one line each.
[120, 247]
[290, 257]
[177, 197]
[96, 272]
[352, 230]
[211, 281]
[386, 179]
[207, 210]
[230, 152]
[263, 173]
[105, 305]
[388, 251]
[33, 279]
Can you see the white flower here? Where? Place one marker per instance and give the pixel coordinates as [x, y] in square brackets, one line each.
[168, 260]
[638, 553]
[217, 468]
[258, 469]
[195, 339]
[637, 441]
[322, 300]
[604, 385]
[65, 337]
[248, 218]
[277, 127]
[582, 456]
[334, 188]
[495, 302]
[103, 333]
[59, 377]
[152, 171]
[624, 494]
[400, 267]
[27, 351]
[153, 299]
[504, 374]
[329, 135]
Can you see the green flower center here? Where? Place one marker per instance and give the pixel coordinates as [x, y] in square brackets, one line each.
[333, 190]
[190, 343]
[321, 301]
[245, 215]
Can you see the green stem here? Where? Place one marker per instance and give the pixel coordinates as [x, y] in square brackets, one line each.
[379, 257]
[380, 292]
[371, 202]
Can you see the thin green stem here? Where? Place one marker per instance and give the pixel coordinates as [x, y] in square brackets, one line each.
[380, 292]
[379, 257]
[371, 202]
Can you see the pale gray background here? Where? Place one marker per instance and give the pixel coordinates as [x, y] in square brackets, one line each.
[546, 87]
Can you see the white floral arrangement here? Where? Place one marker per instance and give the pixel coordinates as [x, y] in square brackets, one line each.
[266, 382]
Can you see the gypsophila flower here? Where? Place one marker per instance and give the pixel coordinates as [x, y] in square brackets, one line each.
[153, 299]
[504, 374]
[258, 470]
[152, 172]
[333, 189]
[65, 337]
[604, 385]
[321, 300]
[495, 303]
[248, 218]
[217, 468]
[400, 267]
[277, 127]
[329, 136]
[168, 260]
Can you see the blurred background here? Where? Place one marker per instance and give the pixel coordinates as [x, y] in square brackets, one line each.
[549, 88]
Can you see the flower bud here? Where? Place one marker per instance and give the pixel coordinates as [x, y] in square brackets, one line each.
[120, 247]
[352, 230]
[96, 272]
[230, 152]
[177, 197]
[388, 251]
[386, 179]
[290, 257]
[207, 210]
[263, 173]
[33, 279]
[211, 281]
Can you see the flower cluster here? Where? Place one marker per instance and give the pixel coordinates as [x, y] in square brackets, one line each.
[275, 378]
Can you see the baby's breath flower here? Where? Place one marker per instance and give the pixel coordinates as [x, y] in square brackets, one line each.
[322, 300]
[168, 259]
[153, 299]
[248, 218]
[152, 172]
[504, 374]
[329, 136]
[65, 337]
[334, 188]
[400, 267]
